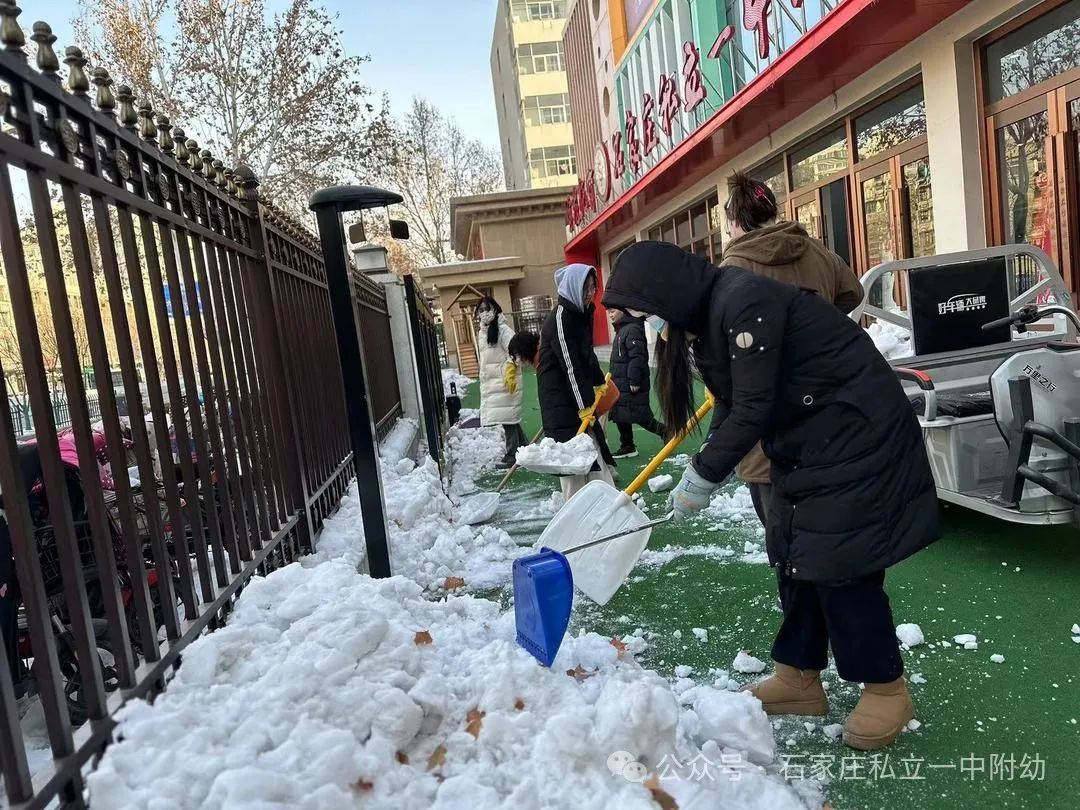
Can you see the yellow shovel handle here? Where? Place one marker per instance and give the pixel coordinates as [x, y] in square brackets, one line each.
[669, 448]
[589, 417]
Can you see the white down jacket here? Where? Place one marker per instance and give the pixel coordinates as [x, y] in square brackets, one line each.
[497, 405]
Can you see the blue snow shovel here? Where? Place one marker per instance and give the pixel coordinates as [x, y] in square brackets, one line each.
[544, 582]
[544, 594]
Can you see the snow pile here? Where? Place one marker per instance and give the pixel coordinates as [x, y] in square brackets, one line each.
[910, 635]
[575, 456]
[661, 483]
[427, 538]
[997, 658]
[472, 453]
[452, 375]
[1076, 633]
[891, 340]
[736, 507]
[397, 444]
[747, 664]
[701, 633]
[328, 689]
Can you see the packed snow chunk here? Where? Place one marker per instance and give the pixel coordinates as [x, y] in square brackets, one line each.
[891, 340]
[734, 720]
[910, 635]
[661, 483]
[574, 457]
[683, 671]
[747, 664]
[964, 639]
[997, 659]
[833, 731]
[676, 634]
[1076, 639]
[701, 633]
[917, 678]
[913, 725]
[1076, 629]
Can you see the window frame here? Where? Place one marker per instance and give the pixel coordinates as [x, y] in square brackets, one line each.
[1052, 97]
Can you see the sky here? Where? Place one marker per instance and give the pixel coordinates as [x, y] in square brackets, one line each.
[437, 49]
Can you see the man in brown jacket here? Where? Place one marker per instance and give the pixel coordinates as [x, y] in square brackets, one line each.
[783, 251]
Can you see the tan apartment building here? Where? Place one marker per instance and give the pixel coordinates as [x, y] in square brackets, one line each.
[528, 71]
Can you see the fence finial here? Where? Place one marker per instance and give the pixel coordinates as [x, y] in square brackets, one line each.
[147, 127]
[47, 61]
[11, 33]
[230, 182]
[181, 146]
[207, 164]
[219, 173]
[77, 81]
[128, 117]
[106, 100]
[193, 155]
[165, 141]
[247, 184]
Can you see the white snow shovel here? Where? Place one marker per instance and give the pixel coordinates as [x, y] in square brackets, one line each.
[599, 509]
[579, 465]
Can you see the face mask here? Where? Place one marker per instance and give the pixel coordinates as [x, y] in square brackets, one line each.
[486, 317]
[658, 325]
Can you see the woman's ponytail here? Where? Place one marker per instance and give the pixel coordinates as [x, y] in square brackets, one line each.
[750, 202]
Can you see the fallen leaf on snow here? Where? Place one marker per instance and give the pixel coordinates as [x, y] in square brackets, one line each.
[402, 757]
[618, 644]
[579, 673]
[660, 796]
[422, 637]
[475, 720]
[453, 583]
[363, 785]
[437, 758]
[519, 704]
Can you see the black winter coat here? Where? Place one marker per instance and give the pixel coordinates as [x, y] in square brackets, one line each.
[568, 370]
[630, 369]
[853, 491]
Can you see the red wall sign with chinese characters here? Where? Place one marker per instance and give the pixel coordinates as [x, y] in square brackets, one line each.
[624, 154]
[686, 92]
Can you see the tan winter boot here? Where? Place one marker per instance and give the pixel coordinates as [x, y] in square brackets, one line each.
[791, 691]
[881, 714]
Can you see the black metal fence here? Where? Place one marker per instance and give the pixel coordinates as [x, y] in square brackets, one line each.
[429, 367]
[213, 305]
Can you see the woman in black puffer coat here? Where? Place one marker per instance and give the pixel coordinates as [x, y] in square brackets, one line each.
[630, 373]
[852, 488]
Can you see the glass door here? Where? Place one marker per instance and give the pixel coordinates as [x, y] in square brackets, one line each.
[917, 206]
[806, 210]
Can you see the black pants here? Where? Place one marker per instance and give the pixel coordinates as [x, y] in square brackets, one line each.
[515, 438]
[626, 430]
[853, 616]
[761, 494]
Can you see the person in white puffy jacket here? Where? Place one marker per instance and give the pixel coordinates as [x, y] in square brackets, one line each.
[500, 377]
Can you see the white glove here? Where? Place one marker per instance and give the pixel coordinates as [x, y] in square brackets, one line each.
[691, 495]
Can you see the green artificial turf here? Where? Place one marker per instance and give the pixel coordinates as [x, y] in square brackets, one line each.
[992, 735]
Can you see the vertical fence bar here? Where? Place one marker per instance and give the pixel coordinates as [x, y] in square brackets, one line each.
[424, 362]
